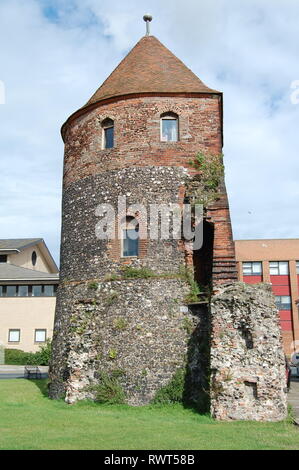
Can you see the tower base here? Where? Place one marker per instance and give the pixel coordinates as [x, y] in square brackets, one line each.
[133, 337]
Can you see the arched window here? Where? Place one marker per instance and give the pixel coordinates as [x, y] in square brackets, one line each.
[130, 240]
[108, 133]
[169, 127]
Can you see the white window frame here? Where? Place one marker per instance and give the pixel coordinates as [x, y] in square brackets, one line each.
[252, 263]
[278, 265]
[38, 330]
[170, 116]
[14, 330]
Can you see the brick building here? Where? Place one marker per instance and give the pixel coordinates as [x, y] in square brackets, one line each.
[275, 262]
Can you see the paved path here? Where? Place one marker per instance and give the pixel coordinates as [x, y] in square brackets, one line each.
[17, 372]
[293, 397]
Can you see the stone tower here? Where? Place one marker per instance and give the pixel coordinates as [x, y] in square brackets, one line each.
[124, 307]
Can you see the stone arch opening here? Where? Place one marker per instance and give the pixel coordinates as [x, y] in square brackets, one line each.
[203, 258]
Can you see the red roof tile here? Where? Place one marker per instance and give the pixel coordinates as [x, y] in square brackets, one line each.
[149, 68]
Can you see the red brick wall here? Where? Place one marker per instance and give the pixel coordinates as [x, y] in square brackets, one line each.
[137, 135]
[224, 264]
[137, 144]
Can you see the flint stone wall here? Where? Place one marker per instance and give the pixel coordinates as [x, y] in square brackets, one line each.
[83, 255]
[247, 362]
[139, 328]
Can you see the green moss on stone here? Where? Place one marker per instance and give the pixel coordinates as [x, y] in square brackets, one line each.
[120, 323]
[93, 285]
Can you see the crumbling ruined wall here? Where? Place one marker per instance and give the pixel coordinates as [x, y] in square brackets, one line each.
[138, 329]
[247, 362]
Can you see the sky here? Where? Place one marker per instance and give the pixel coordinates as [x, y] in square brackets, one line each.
[56, 53]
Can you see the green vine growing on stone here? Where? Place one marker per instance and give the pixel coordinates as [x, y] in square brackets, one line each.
[195, 289]
[204, 187]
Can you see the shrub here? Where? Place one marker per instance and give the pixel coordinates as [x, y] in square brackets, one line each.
[108, 390]
[195, 289]
[173, 392]
[22, 358]
[211, 168]
[206, 183]
[19, 358]
[15, 357]
[43, 356]
[128, 272]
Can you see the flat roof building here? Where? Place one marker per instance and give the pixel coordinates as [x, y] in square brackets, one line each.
[274, 261]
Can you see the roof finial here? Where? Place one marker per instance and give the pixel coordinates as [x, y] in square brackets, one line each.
[147, 18]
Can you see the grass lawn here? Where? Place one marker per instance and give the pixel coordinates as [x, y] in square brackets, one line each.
[30, 420]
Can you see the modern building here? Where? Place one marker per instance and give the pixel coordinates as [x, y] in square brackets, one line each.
[28, 282]
[275, 262]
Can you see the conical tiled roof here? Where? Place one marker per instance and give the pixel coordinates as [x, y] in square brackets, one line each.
[150, 68]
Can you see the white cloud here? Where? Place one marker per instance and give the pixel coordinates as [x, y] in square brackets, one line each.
[55, 54]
